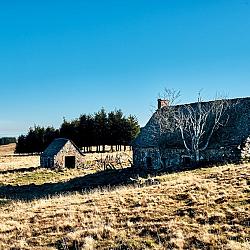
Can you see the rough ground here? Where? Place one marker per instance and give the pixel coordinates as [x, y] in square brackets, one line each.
[22, 178]
[200, 209]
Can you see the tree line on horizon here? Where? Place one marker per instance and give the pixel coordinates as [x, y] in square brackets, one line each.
[98, 129]
[7, 140]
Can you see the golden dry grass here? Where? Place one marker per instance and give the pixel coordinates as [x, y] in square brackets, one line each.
[200, 209]
[9, 161]
[7, 149]
[18, 162]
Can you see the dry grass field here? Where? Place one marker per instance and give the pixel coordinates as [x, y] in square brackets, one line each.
[7, 149]
[24, 170]
[207, 208]
[8, 161]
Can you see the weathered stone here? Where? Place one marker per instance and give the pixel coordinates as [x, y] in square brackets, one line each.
[156, 149]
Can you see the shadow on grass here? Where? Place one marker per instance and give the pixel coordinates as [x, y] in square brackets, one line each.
[108, 178]
[102, 179]
[19, 170]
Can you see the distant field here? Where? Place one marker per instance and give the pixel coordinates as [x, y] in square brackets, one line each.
[10, 162]
[7, 149]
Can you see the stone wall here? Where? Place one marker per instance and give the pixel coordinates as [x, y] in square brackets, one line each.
[142, 156]
[167, 159]
[68, 150]
[228, 154]
[172, 159]
[176, 159]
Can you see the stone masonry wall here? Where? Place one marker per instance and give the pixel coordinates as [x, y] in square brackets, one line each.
[68, 150]
[222, 155]
[58, 160]
[141, 156]
[175, 159]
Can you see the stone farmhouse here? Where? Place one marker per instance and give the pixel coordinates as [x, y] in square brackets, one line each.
[165, 150]
[61, 153]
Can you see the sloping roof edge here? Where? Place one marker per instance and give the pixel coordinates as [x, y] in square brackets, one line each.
[56, 145]
[145, 138]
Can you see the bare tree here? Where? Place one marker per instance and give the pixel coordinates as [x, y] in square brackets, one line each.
[172, 95]
[165, 115]
[196, 122]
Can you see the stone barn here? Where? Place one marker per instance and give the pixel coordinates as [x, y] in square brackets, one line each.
[159, 149]
[61, 153]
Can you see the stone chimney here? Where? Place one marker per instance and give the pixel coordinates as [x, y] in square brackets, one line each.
[162, 103]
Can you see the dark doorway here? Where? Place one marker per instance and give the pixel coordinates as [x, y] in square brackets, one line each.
[49, 163]
[149, 162]
[164, 162]
[70, 161]
[186, 161]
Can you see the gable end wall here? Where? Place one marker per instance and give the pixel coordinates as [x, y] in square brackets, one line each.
[58, 160]
[68, 150]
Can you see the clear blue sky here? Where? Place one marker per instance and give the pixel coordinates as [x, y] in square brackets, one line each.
[63, 58]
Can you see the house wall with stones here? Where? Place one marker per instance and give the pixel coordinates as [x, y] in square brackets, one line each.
[46, 161]
[175, 159]
[141, 158]
[230, 143]
[68, 150]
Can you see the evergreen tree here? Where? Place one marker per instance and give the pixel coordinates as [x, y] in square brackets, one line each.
[21, 144]
[70, 130]
[131, 129]
[49, 135]
[87, 131]
[101, 125]
[98, 130]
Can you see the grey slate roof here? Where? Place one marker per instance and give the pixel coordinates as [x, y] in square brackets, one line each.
[56, 145]
[235, 131]
[149, 135]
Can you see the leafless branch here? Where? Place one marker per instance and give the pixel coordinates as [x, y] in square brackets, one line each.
[195, 122]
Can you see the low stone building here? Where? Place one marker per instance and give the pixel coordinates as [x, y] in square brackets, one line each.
[61, 153]
[154, 149]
